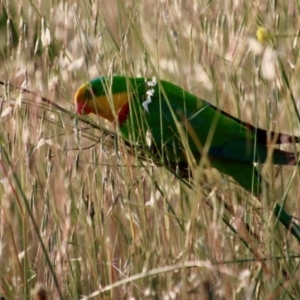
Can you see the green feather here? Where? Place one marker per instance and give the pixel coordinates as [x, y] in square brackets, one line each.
[185, 127]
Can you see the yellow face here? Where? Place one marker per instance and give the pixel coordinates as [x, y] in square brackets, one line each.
[86, 103]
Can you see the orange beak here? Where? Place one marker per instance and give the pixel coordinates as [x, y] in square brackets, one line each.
[81, 109]
[80, 101]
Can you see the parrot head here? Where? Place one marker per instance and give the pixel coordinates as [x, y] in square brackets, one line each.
[99, 96]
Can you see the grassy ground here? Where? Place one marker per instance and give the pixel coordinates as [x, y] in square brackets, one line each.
[80, 217]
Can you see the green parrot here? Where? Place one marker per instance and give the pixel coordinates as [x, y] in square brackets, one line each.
[183, 128]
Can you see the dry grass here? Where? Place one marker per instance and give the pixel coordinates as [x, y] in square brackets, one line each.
[80, 215]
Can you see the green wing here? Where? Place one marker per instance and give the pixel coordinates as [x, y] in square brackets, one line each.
[180, 123]
[175, 115]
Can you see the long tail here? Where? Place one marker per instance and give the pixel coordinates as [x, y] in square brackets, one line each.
[281, 157]
[264, 136]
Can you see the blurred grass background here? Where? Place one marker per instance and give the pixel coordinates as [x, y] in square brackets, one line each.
[82, 218]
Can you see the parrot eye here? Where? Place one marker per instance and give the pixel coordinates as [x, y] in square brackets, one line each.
[90, 93]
